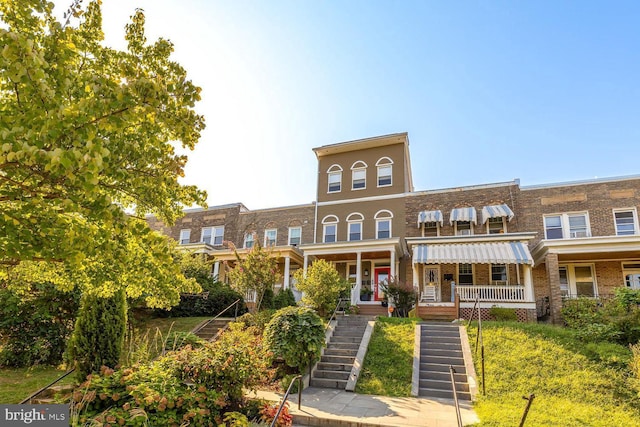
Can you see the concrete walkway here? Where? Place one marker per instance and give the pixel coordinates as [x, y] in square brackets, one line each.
[330, 407]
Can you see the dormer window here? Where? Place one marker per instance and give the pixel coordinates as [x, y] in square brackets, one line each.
[334, 174]
[359, 176]
[385, 169]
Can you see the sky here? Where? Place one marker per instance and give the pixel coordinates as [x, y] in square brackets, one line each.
[488, 91]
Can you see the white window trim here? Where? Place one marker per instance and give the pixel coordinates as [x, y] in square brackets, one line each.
[213, 234]
[504, 224]
[349, 231]
[357, 167]
[564, 222]
[355, 218]
[300, 237]
[455, 228]
[494, 282]
[633, 210]
[627, 269]
[384, 215]
[334, 169]
[328, 221]
[473, 274]
[571, 277]
[253, 239]
[423, 229]
[275, 238]
[180, 239]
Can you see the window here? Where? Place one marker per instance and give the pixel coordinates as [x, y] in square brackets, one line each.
[212, 235]
[329, 228]
[577, 280]
[631, 273]
[249, 240]
[562, 226]
[335, 179]
[295, 236]
[385, 170]
[185, 236]
[496, 225]
[626, 222]
[465, 274]
[270, 236]
[499, 274]
[355, 226]
[463, 228]
[383, 224]
[431, 229]
[359, 176]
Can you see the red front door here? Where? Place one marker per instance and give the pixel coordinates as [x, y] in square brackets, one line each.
[381, 276]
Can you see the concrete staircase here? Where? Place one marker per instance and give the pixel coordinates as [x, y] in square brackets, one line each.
[440, 347]
[334, 367]
[211, 329]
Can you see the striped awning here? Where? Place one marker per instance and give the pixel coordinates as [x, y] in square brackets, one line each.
[463, 214]
[430, 216]
[496, 211]
[473, 253]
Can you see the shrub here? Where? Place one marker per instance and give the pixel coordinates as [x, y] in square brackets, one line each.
[503, 314]
[98, 337]
[402, 296]
[598, 332]
[178, 340]
[283, 299]
[258, 320]
[628, 298]
[580, 312]
[321, 285]
[219, 297]
[267, 300]
[35, 325]
[297, 335]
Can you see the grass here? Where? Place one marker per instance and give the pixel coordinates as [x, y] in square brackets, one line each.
[388, 365]
[18, 383]
[145, 343]
[575, 384]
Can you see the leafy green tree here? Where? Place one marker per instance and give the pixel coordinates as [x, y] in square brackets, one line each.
[321, 286]
[256, 272]
[284, 298]
[87, 138]
[98, 337]
[297, 335]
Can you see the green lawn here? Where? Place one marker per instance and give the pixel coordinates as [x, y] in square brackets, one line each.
[146, 343]
[575, 384]
[388, 365]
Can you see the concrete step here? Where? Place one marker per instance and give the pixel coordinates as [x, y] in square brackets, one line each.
[437, 333]
[343, 360]
[440, 352]
[340, 339]
[443, 376]
[442, 346]
[343, 345]
[430, 338]
[335, 375]
[443, 385]
[442, 367]
[444, 360]
[329, 366]
[358, 334]
[443, 394]
[328, 383]
[340, 352]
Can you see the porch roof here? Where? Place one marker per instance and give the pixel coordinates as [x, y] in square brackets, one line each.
[430, 216]
[473, 253]
[463, 214]
[496, 211]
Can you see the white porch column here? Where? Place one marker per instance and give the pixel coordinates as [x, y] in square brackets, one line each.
[287, 265]
[216, 270]
[416, 278]
[355, 292]
[306, 264]
[528, 282]
[392, 263]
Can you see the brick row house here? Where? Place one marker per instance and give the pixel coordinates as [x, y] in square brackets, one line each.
[499, 244]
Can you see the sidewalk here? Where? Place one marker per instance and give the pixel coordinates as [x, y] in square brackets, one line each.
[329, 407]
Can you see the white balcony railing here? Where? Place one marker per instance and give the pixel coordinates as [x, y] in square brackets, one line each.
[492, 293]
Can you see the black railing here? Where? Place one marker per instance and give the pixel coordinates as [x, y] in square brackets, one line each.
[286, 396]
[235, 316]
[335, 311]
[479, 340]
[452, 372]
[51, 384]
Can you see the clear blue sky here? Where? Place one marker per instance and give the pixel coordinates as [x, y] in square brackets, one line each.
[488, 91]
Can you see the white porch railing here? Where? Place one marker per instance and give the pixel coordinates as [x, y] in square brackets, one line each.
[492, 293]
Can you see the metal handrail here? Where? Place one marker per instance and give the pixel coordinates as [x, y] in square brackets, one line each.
[334, 314]
[28, 399]
[452, 372]
[199, 328]
[286, 396]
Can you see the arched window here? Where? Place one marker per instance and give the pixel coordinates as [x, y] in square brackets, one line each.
[359, 175]
[385, 172]
[334, 176]
[354, 228]
[329, 228]
[383, 224]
